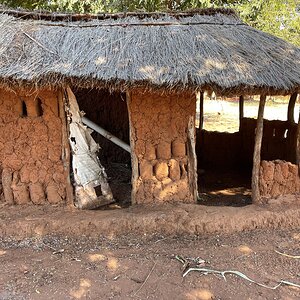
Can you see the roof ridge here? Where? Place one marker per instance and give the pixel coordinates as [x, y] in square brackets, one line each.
[57, 16]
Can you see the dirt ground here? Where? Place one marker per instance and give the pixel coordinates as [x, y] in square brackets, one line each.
[129, 253]
[223, 115]
[144, 267]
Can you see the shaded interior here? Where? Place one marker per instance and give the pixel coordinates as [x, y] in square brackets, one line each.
[225, 159]
[109, 110]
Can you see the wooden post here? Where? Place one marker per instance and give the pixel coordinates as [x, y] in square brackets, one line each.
[201, 110]
[257, 150]
[66, 153]
[134, 159]
[291, 108]
[192, 157]
[241, 109]
[298, 145]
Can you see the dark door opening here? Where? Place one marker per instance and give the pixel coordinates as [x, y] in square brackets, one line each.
[109, 110]
[223, 178]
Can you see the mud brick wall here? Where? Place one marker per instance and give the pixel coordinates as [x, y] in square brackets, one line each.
[108, 110]
[30, 148]
[163, 171]
[278, 178]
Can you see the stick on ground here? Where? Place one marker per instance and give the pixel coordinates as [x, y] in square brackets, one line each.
[146, 279]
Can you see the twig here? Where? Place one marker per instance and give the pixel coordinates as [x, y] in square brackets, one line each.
[37, 42]
[288, 255]
[181, 259]
[146, 279]
[163, 239]
[237, 273]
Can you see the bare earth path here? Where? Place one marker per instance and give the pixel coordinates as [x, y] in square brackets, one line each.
[144, 267]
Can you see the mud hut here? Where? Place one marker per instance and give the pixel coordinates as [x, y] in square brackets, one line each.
[136, 75]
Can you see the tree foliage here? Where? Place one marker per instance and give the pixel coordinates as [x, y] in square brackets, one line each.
[279, 17]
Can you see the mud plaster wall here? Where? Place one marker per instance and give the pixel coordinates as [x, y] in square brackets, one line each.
[159, 126]
[108, 110]
[30, 148]
[278, 178]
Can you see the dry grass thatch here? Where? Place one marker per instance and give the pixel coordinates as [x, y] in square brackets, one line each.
[185, 51]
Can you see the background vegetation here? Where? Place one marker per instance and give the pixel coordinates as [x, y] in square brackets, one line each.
[279, 17]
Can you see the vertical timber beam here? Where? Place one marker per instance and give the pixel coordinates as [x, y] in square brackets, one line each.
[134, 159]
[291, 108]
[298, 145]
[66, 152]
[257, 150]
[241, 110]
[201, 110]
[192, 170]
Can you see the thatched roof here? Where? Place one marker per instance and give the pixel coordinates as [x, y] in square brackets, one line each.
[209, 49]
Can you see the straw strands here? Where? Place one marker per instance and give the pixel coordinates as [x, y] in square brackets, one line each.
[193, 51]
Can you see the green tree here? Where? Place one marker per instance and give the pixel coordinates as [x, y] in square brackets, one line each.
[279, 17]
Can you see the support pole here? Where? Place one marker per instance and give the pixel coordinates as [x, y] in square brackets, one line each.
[201, 110]
[106, 134]
[241, 110]
[291, 108]
[66, 152]
[298, 145]
[257, 150]
[134, 158]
